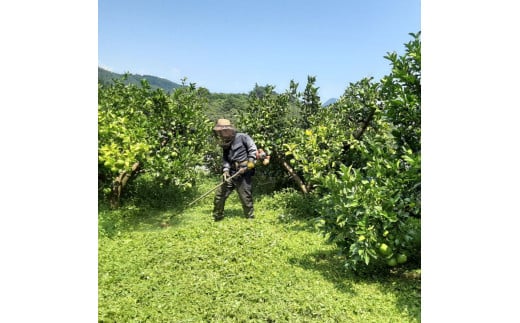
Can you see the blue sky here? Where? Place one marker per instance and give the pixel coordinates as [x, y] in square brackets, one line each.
[229, 46]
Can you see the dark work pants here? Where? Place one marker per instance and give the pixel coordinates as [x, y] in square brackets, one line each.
[243, 185]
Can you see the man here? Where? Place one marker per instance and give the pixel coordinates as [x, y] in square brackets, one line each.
[239, 156]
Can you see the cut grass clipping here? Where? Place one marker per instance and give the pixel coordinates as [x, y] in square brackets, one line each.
[191, 269]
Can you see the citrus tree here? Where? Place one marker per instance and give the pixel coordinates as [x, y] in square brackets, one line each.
[361, 158]
[144, 130]
[371, 206]
[267, 119]
[274, 119]
[319, 148]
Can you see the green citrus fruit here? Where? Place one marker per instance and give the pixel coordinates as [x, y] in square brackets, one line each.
[384, 249]
[391, 262]
[401, 258]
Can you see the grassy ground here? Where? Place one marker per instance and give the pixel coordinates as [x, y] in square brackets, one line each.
[180, 266]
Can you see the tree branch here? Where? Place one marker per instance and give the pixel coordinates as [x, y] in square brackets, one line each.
[297, 178]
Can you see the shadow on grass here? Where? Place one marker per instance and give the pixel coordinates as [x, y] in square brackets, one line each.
[330, 266]
[402, 282]
[147, 208]
[132, 217]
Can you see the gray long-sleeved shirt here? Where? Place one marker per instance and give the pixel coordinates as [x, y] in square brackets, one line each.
[241, 149]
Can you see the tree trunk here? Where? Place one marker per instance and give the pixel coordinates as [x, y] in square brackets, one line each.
[365, 124]
[361, 130]
[297, 178]
[119, 184]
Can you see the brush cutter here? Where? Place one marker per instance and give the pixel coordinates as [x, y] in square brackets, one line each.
[214, 188]
[260, 155]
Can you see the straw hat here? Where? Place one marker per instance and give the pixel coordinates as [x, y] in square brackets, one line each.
[223, 124]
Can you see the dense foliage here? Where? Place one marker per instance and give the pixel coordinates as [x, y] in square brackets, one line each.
[224, 105]
[145, 130]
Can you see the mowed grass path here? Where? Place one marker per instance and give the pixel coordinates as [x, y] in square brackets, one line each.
[192, 269]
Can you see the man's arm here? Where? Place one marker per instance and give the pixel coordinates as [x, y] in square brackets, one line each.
[251, 148]
[226, 164]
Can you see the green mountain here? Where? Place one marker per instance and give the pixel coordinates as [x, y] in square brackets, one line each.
[155, 82]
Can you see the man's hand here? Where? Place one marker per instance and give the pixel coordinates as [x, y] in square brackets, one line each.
[226, 176]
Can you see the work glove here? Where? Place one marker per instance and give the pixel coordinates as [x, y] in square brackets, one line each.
[250, 163]
[226, 176]
[266, 160]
